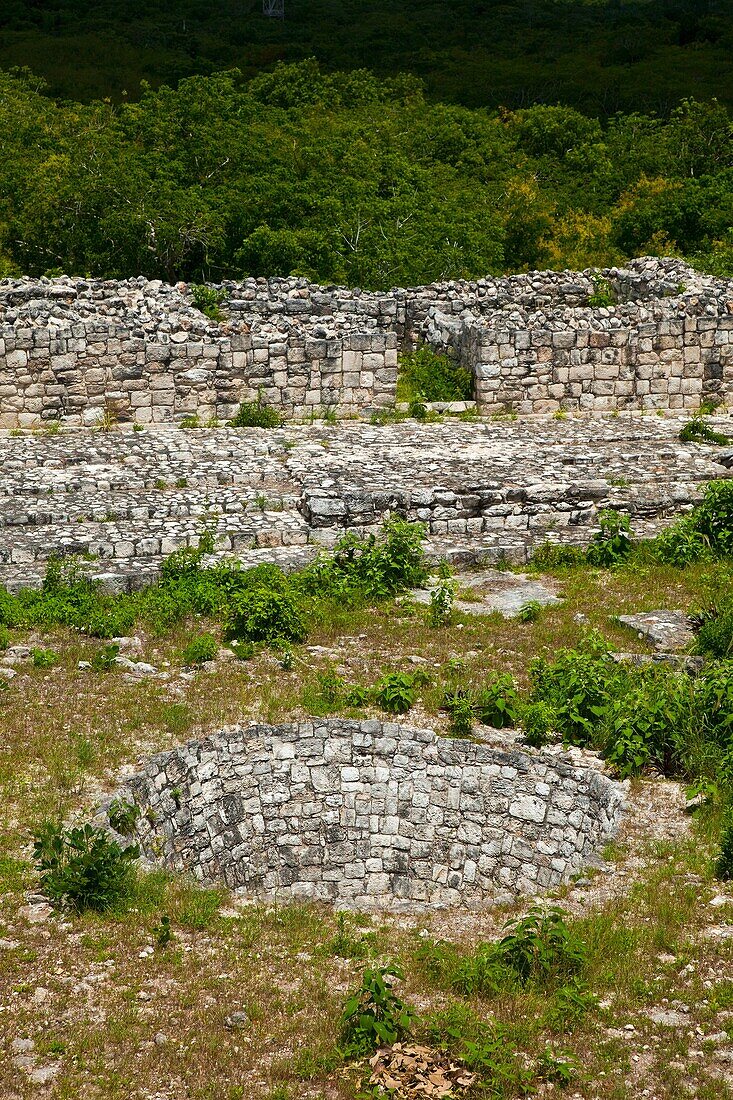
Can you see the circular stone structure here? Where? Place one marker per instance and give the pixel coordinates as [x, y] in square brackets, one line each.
[370, 814]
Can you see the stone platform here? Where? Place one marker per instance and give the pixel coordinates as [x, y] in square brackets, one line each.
[486, 490]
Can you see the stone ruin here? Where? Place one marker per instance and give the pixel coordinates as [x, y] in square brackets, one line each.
[371, 814]
[137, 350]
[364, 814]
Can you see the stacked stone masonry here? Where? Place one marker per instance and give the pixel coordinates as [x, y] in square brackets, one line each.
[484, 490]
[369, 814]
[78, 350]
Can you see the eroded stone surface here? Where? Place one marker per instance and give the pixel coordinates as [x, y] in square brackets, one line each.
[371, 814]
[668, 631]
[484, 491]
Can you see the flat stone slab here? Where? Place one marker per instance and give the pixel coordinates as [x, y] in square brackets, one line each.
[668, 631]
[496, 590]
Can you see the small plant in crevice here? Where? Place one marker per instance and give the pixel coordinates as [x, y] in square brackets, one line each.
[256, 414]
[83, 867]
[603, 295]
[122, 816]
[208, 300]
[374, 1015]
[697, 430]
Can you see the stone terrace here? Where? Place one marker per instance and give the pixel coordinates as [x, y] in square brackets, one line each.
[485, 490]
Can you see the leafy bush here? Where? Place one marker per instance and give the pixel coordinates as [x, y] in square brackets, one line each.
[4, 637]
[542, 948]
[374, 1015]
[369, 568]
[433, 377]
[611, 545]
[714, 516]
[698, 430]
[441, 603]
[44, 658]
[603, 293]
[266, 614]
[497, 704]
[681, 544]
[538, 721]
[577, 687]
[460, 708]
[529, 612]
[714, 628]
[83, 866]
[122, 816]
[208, 299]
[200, 650]
[104, 658]
[395, 692]
[256, 414]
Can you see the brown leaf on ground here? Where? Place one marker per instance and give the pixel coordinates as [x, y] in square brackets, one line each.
[413, 1072]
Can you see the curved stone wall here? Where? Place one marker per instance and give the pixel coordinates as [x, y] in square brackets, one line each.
[370, 814]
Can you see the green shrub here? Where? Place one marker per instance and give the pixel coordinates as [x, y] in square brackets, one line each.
[122, 816]
[104, 658]
[577, 687]
[698, 430]
[4, 637]
[44, 658]
[265, 614]
[200, 650]
[434, 377]
[611, 545]
[542, 948]
[371, 568]
[460, 708]
[395, 692]
[714, 627]
[714, 516]
[208, 299]
[83, 866]
[256, 414]
[497, 704]
[441, 603]
[529, 612]
[603, 294]
[681, 544]
[554, 555]
[538, 721]
[724, 863]
[374, 1015]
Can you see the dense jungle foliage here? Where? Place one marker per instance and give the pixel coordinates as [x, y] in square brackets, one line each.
[600, 56]
[350, 177]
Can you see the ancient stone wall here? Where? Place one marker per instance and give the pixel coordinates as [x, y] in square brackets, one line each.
[370, 814]
[75, 349]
